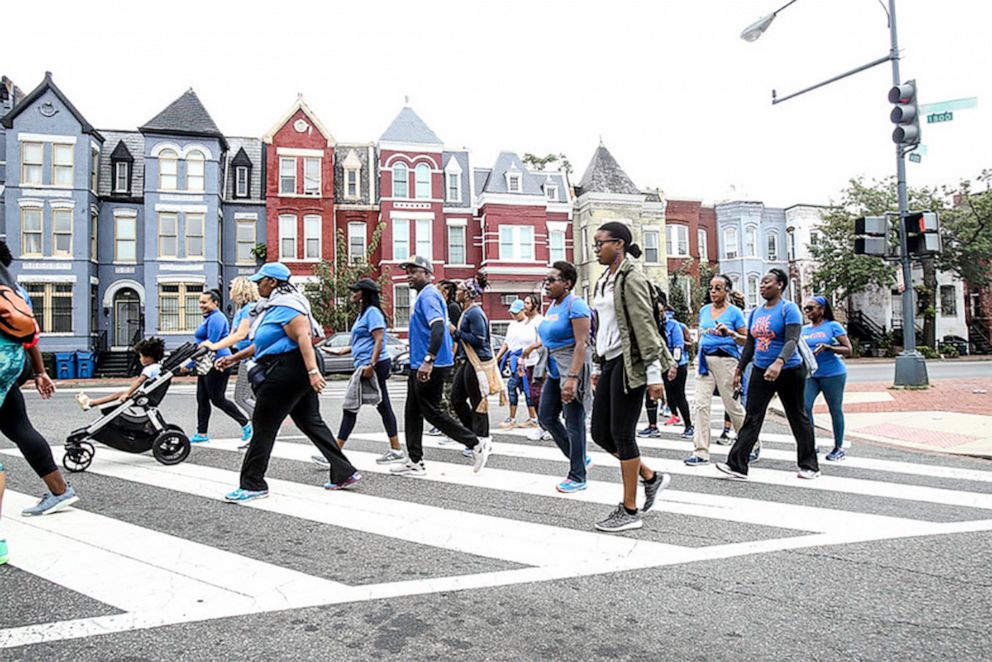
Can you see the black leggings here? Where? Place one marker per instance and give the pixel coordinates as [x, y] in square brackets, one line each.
[385, 408]
[465, 397]
[210, 389]
[615, 413]
[675, 392]
[14, 425]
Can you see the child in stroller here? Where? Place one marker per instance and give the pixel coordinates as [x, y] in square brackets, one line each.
[135, 425]
[150, 353]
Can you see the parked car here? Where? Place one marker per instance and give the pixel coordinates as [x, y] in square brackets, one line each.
[337, 364]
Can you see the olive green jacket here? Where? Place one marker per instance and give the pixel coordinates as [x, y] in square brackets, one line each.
[635, 306]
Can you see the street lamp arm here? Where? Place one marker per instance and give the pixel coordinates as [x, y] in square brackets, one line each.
[756, 29]
[874, 63]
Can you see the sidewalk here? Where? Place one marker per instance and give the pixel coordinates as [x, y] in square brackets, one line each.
[952, 416]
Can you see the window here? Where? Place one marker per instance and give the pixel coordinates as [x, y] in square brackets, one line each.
[551, 191]
[287, 237]
[401, 238]
[516, 243]
[195, 168]
[454, 187]
[31, 163]
[52, 304]
[122, 179]
[62, 232]
[125, 239]
[311, 176]
[94, 223]
[730, 243]
[456, 244]
[751, 242]
[948, 301]
[703, 246]
[513, 181]
[585, 244]
[736, 280]
[30, 231]
[311, 237]
[422, 180]
[402, 304]
[94, 307]
[194, 235]
[178, 307]
[241, 182]
[287, 176]
[651, 255]
[791, 239]
[351, 186]
[677, 240]
[772, 246]
[814, 238]
[556, 245]
[752, 291]
[356, 242]
[246, 241]
[168, 170]
[425, 238]
[168, 235]
[61, 165]
[401, 181]
[94, 169]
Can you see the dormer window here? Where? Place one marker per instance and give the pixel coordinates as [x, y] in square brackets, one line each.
[122, 177]
[551, 191]
[241, 182]
[352, 176]
[514, 182]
[453, 180]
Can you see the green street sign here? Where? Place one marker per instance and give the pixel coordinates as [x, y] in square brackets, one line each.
[934, 118]
[915, 158]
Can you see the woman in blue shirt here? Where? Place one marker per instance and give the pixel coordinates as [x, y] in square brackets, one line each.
[472, 330]
[773, 335]
[829, 342]
[211, 388]
[675, 388]
[287, 382]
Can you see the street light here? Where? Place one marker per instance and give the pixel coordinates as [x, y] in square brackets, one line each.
[756, 29]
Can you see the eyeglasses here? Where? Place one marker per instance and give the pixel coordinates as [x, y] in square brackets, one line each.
[552, 279]
[599, 242]
[809, 308]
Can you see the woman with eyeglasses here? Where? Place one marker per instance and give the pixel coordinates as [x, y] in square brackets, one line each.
[722, 331]
[773, 334]
[829, 342]
[632, 357]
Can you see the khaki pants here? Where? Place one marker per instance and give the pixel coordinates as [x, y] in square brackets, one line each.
[721, 371]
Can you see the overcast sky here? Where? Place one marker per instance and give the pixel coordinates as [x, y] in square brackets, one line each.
[682, 102]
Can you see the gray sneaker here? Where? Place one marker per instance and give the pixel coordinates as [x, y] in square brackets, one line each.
[390, 457]
[320, 461]
[661, 481]
[620, 520]
[50, 503]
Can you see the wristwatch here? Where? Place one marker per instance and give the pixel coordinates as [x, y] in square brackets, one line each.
[428, 358]
[313, 371]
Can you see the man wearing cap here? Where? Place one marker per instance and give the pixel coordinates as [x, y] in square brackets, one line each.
[519, 336]
[430, 361]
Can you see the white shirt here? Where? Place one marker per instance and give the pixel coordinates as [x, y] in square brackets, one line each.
[609, 344]
[150, 372]
[520, 336]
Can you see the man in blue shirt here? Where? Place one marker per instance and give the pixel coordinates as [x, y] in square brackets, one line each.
[431, 360]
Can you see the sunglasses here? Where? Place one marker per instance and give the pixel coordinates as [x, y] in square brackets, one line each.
[810, 308]
[599, 242]
[552, 279]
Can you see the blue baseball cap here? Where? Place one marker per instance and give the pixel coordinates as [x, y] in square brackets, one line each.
[276, 270]
[517, 306]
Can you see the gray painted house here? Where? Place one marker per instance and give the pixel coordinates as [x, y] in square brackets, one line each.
[751, 240]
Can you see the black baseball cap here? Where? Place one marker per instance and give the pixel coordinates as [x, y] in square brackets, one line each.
[365, 284]
[418, 261]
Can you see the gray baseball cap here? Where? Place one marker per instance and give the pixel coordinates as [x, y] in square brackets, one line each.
[418, 261]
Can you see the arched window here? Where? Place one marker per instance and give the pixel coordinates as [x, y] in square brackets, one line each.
[401, 181]
[423, 179]
[195, 163]
[772, 246]
[752, 290]
[168, 170]
[751, 242]
[730, 250]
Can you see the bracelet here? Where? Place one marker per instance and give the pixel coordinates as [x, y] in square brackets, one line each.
[313, 371]
[569, 375]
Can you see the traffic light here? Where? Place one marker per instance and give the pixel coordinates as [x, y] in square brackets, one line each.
[905, 114]
[922, 233]
[872, 236]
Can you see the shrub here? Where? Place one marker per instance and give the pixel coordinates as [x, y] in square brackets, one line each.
[928, 352]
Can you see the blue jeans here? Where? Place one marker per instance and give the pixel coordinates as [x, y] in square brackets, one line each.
[833, 393]
[513, 384]
[570, 437]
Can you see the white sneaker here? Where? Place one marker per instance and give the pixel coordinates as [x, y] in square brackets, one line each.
[320, 461]
[535, 435]
[392, 456]
[808, 474]
[481, 452]
[409, 468]
[546, 436]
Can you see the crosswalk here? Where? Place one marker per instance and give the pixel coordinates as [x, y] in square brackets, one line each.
[507, 520]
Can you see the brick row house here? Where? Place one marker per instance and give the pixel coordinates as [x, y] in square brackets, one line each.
[690, 239]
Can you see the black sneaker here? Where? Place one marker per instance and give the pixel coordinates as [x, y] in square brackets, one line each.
[724, 439]
[434, 432]
[660, 482]
[620, 520]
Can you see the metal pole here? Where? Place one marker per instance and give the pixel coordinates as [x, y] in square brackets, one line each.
[911, 368]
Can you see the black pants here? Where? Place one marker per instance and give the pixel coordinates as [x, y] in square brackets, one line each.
[285, 392]
[14, 425]
[465, 397]
[615, 413]
[790, 387]
[211, 389]
[385, 408]
[423, 402]
[675, 393]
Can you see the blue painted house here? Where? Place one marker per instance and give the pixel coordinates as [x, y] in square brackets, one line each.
[751, 239]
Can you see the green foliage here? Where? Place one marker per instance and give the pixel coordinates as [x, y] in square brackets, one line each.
[329, 294]
[950, 351]
[542, 162]
[260, 252]
[966, 232]
[677, 297]
[928, 352]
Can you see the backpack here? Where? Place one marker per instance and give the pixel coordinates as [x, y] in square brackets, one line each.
[17, 320]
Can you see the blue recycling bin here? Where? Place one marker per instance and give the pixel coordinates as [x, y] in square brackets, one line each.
[65, 365]
[85, 364]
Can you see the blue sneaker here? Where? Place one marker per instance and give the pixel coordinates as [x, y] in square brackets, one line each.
[649, 432]
[568, 486]
[694, 461]
[239, 495]
[51, 503]
[836, 455]
[246, 432]
[689, 432]
[468, 452]
[199, 438]
[4, 552]
[588, 462]
[353, 480]
[754, 456]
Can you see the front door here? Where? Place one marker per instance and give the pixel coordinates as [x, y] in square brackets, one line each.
[127, 316]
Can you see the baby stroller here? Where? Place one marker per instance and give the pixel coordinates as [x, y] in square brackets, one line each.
[136, 425]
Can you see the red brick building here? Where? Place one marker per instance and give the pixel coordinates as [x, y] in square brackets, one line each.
[691, 235]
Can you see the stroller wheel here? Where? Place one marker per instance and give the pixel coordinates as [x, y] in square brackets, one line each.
[78, 456]
[171, 447]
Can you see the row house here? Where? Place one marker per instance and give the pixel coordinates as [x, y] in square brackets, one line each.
[751, 241]
[690, 240]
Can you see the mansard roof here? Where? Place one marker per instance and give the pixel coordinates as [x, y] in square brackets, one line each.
[409, 128]
[121, 152]
[241, 159]
[604, 175]
[28, 101]
[185, 116]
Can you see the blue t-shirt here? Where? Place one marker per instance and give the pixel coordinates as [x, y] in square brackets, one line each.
[214, 328]
[829, 364]
[430, 306]
[768, 329]
[270, 337]
[239, 317]
[676, 339]
[556, 328]
[362, 342]
[711, 342]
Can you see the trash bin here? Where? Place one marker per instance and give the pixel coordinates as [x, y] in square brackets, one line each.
[65, 365]
[85, 365]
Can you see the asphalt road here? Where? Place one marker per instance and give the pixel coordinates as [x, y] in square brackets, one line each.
[884, 557]
[882, 371]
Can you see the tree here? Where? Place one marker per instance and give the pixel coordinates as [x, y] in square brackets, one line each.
[328, 293]
[966, 232]
[542, 162]
[677, 296]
